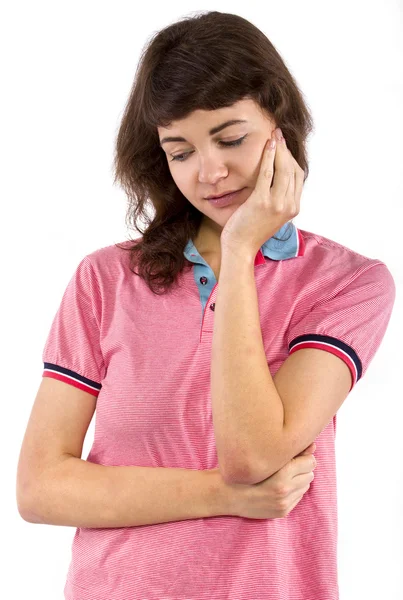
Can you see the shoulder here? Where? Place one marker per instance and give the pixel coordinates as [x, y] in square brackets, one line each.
[107, 267]
[111, 255]
[330, 259]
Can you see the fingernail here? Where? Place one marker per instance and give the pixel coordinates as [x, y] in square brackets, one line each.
[279, 134]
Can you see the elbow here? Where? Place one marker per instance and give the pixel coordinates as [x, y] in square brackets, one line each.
[30, 517]
[255, 473]
[254, 470]
[26, 506]
[234, 473]
[246, 475]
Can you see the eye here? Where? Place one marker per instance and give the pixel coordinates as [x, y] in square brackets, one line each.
[238, 142]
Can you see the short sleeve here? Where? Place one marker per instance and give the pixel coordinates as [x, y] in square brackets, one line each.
[72, 351]
[351, 324]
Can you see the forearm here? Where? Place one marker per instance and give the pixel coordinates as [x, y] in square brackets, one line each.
[78, 493]
[247, 409]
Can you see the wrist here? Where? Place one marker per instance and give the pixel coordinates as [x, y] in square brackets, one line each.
[239, 251]
[239, 254]
[221, 494]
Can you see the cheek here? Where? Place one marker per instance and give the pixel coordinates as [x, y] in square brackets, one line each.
[187, 187]
[186, 179]
[179, 180]
[252, 165]
[184, 186]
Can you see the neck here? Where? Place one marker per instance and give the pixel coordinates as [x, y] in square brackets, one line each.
[208, 240]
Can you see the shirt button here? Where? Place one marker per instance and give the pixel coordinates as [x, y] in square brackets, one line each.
[203, 280]
[212, 306]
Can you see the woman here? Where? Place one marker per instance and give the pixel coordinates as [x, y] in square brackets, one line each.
[216, 348]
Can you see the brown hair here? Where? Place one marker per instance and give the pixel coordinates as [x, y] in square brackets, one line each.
[206, 62]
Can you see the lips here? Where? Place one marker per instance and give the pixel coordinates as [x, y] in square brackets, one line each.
[225, 200]
[221, 195]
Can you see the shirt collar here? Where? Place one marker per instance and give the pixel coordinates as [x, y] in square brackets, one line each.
[292, 246]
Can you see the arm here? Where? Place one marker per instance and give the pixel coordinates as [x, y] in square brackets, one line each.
[77, 493]
[261, 422]
[247, 409]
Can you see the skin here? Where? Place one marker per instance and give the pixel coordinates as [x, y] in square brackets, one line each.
[211, 168]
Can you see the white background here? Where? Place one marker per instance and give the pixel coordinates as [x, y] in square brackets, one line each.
[66, 71]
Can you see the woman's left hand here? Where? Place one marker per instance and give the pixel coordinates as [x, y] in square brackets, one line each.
[268, 208]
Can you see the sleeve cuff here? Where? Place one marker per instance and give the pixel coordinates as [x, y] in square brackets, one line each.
[72, 378]
[333, 345]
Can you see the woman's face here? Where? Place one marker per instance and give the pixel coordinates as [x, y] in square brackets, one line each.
[202, 165]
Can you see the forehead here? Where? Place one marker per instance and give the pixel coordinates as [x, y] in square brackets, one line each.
[246, 109]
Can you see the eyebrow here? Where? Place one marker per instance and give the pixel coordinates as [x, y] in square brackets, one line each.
[211, 132]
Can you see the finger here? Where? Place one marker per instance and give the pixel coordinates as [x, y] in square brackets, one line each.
[299, 184]
[310, 448]
[296, 182]
[265, 176]
[305, 464]
[283, 172]
[290, 193]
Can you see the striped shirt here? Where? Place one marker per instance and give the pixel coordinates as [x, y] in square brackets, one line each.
[146, 358]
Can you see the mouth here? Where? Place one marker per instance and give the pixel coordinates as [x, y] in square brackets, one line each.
[226, 199]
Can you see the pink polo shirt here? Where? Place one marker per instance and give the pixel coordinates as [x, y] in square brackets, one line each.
[147, 359]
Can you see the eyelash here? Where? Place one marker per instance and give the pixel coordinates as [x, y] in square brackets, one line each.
[234, 143]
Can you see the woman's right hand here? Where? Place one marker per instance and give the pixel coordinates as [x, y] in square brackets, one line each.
[275, 497]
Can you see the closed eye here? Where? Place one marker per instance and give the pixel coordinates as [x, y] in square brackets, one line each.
[238, 142]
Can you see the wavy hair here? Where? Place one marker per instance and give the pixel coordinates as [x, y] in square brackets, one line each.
[207, 61]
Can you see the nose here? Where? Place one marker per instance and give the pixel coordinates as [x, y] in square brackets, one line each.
[211, 170]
